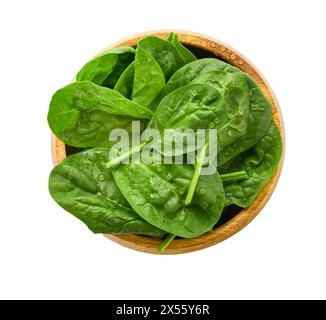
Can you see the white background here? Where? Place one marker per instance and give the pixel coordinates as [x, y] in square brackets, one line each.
[47, 253]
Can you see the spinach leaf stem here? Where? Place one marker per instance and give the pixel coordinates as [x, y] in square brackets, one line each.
[116, 161]
[195, 177]
[234, 176]
[165, 243]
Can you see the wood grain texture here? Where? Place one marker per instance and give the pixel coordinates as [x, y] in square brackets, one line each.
[224, 51]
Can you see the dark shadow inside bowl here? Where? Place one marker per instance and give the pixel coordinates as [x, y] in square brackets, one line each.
[201, 53]
[228, 213]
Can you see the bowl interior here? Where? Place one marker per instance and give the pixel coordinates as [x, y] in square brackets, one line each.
[234, 218]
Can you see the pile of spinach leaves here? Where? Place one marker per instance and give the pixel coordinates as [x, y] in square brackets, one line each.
[162, 84]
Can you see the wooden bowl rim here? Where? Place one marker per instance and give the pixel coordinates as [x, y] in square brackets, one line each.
[245, 216]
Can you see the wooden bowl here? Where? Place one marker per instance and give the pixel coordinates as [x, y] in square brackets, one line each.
[203, 46]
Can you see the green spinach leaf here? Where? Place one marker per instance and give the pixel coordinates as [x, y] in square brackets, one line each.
[259, 121]
[165, 54]
[83, 114]
[258, 117]
[193, 106]
[186, 54]
[83, 186]
[193, 70]
[201, 106]
[106, 68]
[259, 162]
[157, 193]
[148, 78]
[155, 62]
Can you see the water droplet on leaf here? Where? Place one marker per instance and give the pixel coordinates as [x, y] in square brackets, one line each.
[101, 177]
[204, 204]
